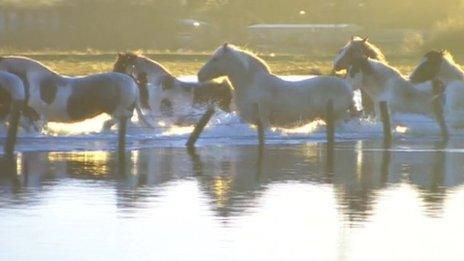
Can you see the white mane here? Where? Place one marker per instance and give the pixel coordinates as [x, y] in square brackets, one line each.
[384, 70]
[448, 57]
[246, 58]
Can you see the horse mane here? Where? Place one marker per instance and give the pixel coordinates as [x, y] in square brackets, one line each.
[370, 49]
[139, 55]
[36, 64]
[389, 68]
[447, 56]
[249, 58]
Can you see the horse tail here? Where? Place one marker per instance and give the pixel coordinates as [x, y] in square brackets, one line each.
[140, 114]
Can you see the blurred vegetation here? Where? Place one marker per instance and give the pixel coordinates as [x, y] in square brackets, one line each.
[153, 24]
[449, 33]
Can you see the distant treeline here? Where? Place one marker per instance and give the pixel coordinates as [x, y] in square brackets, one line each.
[154, 24]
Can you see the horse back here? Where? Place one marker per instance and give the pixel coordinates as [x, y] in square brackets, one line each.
[94, 95]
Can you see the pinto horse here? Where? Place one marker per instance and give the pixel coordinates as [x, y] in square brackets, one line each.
[440, 66]
[166, 96]
[266, 100]
[383, 82]
[355, 48]
[57, 98]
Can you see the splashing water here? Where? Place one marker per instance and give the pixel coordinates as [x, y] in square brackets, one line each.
[223, 129]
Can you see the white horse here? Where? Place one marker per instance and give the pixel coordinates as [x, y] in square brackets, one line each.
[355, 48]
[440, 65]
[58, 98]
[173, 100]
[262, 97]
[383, 82]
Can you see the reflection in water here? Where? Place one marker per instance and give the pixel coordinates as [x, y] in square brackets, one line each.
[235, 177]
[234, 182]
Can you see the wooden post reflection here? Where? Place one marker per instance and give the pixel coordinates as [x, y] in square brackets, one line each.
[386, 120]
[385, 167]
[330, 155]
[197, 165]
[330, 123]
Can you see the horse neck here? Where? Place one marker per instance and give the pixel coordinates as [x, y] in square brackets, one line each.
[450, 72]
[373, 54]
[382, 75]
[29, 67]
[242, 78]
[150, 67]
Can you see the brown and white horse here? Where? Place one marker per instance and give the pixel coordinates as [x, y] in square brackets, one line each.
[57, 98]
[358, 47]
[168, 97]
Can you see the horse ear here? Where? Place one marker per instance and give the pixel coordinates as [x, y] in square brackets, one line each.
[352, 38]
[365, 39]
[225, 46]
[442, 51]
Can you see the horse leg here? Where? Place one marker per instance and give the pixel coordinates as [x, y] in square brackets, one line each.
[200, 127]
[368, 104]
[107, 125]
[259, 126]
[122, 130]
[13, 129]
[32, 121]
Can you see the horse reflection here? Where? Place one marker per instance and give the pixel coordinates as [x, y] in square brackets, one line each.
[233, 181]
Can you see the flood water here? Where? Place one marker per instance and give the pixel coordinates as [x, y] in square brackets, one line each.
[293, 202]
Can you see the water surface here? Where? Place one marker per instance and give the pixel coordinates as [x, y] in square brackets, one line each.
[294, 202]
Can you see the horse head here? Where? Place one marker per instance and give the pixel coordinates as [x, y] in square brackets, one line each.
[216, 66]
[356, 47]
[429, 67]
[125, 62]
[357, 70]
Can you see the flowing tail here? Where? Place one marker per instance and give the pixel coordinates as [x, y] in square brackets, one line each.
[142, 117]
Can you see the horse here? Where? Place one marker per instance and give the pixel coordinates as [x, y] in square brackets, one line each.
[172, 99]
[13, 98]
[440, 65]
[264, 99]
[383, 82]
[65, 99]
[355, 48]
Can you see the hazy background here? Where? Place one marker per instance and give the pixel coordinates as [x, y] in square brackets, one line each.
[414, 25]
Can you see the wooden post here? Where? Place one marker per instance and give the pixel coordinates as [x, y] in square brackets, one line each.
[259, 126]
[386, 121]
[200, 127]
[122, 130]
[13, 129]
[330, 123]
[438, 90]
